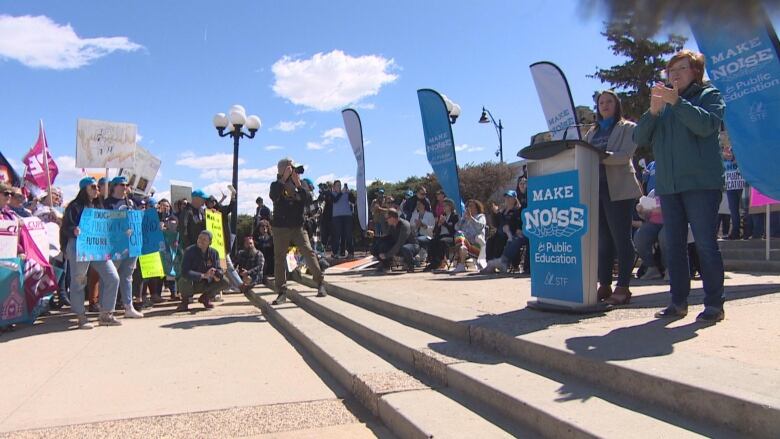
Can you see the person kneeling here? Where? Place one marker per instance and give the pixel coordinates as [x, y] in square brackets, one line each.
[398, 241]
[200, 273]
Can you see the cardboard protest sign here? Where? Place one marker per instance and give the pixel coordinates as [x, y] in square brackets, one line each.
[37, 230]
[153, 240]
[104, 235]
[145, 168]
[9, 238]
[214, 225]
[101, 144]
[181, 190]
[151, 266]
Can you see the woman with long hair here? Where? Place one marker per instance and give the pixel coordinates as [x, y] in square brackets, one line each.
[470, 237]
[618, 191]
[109, 278]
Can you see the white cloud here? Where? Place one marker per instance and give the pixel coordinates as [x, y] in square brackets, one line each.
[468, 148]
[314, 146]
[419, 151]
[138, 138]
[288, 125]
[214, 161]
[267, 174]
[39, 42]
[67, 169]
[273, 147]
[335, 133]
[164, 194]
[247, 193]
[329, 81]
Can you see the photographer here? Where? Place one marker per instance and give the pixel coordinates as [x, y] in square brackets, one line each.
[290, 198]
[200, 273]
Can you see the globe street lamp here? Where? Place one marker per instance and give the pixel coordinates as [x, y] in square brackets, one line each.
[487, 117]
[453, 109]
[230, 125]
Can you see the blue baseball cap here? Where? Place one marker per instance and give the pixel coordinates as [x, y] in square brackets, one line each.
[119, 180]
[102, 181]
[309, 182]
[86, 181]
[409, 193]
[510, 193]
[199, 194]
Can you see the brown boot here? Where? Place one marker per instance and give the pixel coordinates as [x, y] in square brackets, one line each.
[621, 296]
[604, 292]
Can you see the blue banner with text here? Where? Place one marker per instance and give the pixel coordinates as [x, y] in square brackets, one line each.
[554, 222]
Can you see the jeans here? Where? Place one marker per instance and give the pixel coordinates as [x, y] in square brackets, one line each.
[615, 237]
[645, 239]
[512, 250]
[699, 208]
[734, 197]
[342, 232]
[408, 252]
[125, 268]
[109, 280]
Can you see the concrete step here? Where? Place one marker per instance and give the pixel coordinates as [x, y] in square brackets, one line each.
[753, 266]
[745, 244]
[552, 405]
[749, 254]
[379, 385]
[749, 414]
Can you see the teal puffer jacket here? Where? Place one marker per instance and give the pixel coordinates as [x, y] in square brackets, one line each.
[684, 137]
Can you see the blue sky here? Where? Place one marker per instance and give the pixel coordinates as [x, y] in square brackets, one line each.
[170, 66]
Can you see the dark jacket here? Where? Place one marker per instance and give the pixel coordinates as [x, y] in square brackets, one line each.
[685, 143]
[250, 260]
[72, 217]
[446, 230]
[288, 205]
[196, 262]
[192, 221]
[400, 234]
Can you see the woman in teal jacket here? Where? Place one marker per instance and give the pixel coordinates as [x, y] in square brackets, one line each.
[682, 125]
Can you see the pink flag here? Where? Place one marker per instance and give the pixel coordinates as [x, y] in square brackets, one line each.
[38, 173]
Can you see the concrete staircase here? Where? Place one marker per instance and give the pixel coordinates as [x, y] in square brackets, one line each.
[750, 255]
[426, 376]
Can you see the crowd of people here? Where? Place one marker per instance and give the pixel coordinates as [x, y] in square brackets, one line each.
[664, 213]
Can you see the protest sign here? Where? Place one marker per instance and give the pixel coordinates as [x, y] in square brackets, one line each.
[214, 225]
[135, 220]
[153, 240]
[292, 261]
[103, 235]
[151, 266]
[169, 259]
[101, 144]
[12, 306]
[141, 176]
[9, 238]
[37, 230]
[181, 190]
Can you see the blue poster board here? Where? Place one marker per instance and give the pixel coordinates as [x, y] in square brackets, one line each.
[152, 234]
[555, 222]
[104, 235]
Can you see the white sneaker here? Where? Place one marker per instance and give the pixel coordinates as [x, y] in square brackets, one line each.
[460, 268]
[652, 273]
[132, 313]
[83, 322]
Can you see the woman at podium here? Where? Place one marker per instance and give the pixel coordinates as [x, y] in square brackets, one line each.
[618, 191]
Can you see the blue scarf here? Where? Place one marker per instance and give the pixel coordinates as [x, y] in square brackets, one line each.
[605, 124]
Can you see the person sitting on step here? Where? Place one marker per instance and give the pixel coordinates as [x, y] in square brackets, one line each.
[470, 237]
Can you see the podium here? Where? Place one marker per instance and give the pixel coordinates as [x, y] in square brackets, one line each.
[561, 222]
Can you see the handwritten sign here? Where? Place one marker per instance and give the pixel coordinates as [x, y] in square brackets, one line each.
[104, 235]
[9, 238]
[101, 144]
[135, 220]
[141, 176]
[154, 241]
[214, 225]
[151, 266]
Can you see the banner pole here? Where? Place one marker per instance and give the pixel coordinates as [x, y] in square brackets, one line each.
[46, 162]
[767, 229]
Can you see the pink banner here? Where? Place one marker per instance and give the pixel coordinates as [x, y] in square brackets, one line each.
[758, 199]
[35, 161]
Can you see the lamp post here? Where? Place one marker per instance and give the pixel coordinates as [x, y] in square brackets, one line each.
[453, 109]
[488, 117]
[231, 125]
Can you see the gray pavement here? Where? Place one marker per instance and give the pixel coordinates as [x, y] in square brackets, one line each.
[219, 373]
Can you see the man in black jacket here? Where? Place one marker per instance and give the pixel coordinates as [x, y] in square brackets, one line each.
[200, 273]
[398, 241]
[290, 197]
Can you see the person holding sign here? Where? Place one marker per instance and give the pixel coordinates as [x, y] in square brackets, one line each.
[125, 267]
[290, 198]
[109, 278]
[618, 191]
[682, 125]
[200, 273]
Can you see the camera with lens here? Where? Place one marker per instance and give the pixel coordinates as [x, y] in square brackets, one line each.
[298, 169]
